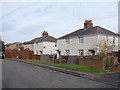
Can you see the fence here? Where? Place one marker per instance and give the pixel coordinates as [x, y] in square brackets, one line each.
[89, 60]
[25, 54]
[48, 58]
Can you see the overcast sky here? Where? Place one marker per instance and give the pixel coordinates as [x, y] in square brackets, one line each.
[25, 21]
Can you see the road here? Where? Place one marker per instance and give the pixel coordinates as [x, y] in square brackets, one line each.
[22, 75]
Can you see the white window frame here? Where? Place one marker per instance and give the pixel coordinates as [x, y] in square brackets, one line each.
[81, 52]
[67, 40]
[67, 52]
[81, 39]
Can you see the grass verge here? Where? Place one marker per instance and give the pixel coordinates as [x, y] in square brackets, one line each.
[81, 68]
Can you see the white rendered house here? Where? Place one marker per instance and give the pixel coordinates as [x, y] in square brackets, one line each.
[42, 45]
[87, 41]
[45, 45]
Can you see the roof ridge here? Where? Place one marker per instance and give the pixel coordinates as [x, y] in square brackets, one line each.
[108, 30]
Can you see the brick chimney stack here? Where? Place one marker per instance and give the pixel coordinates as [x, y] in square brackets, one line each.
[45, 33]
[88, 24]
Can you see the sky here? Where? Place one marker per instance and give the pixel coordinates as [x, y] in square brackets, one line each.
[23, 21]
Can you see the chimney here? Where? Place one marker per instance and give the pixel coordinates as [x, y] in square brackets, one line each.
[45, 33]
[88, 24]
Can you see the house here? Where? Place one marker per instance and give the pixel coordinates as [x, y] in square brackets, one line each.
[29, 44]
[12, 46]
[45, 44]
[42, 45]
[90, 40]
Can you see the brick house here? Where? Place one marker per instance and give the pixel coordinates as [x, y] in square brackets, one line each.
[12, 46]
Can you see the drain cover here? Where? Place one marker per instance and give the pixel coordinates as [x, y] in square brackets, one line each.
[56, 81]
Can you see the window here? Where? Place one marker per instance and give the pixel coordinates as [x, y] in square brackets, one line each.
[113, 40]
[81, 52]
[67, 52]
[55, 44]
[81, 39]
[40, 51]
[36, 51]
[67, 41]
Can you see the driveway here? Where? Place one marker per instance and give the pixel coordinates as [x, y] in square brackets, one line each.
[23, 75]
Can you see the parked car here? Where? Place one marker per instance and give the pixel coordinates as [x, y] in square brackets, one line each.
[2, 56]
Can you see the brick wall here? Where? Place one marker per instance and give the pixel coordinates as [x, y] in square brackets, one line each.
[25, 54]
[115, 66]
[93, 62]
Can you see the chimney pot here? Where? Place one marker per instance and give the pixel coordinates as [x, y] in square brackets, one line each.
[45, 33]
[88, 24]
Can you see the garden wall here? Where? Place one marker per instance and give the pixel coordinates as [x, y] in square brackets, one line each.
[25, 54]
[115, 66]
[48, 58]
[93, 62]
[68, 59]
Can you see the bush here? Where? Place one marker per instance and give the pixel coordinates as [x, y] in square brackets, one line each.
[108, 59]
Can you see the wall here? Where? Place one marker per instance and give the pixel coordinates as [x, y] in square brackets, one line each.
[68, 59]
[48, 58]
[93, 62]
[90, 42]
[109, 40]
[115, 66]
[37, 48]
[49, 48]
[26, 54]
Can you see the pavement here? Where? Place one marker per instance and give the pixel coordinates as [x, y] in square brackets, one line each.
[26, 73]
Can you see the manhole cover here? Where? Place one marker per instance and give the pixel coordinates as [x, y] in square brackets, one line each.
[56, 81]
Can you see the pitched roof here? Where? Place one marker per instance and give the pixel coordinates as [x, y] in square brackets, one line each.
[90, 31]
[41, 39]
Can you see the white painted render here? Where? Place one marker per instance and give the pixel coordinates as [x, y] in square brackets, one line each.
[109, 39]
[90, 42]
[30, 46]
[45, 47]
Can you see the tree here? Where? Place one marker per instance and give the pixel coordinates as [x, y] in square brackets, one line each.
[2, 46]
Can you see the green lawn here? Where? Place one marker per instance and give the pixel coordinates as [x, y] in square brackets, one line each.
[81, 68]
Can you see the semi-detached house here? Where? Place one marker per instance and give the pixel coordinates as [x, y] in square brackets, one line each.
[89, 40]
[42, 45]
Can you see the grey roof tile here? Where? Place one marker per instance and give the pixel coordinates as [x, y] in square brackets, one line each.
[41, 39]
[90, 31]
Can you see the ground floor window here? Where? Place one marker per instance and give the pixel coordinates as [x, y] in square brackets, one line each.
[41, 52]
[92, 52]
[37, 52]
[67, 52]
[81, 52]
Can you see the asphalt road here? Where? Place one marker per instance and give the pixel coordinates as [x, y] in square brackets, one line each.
[22, 75]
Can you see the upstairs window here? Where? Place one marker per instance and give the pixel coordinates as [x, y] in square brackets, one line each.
[67, 41]
[113, 40]
[81, 39]
[55, 44]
